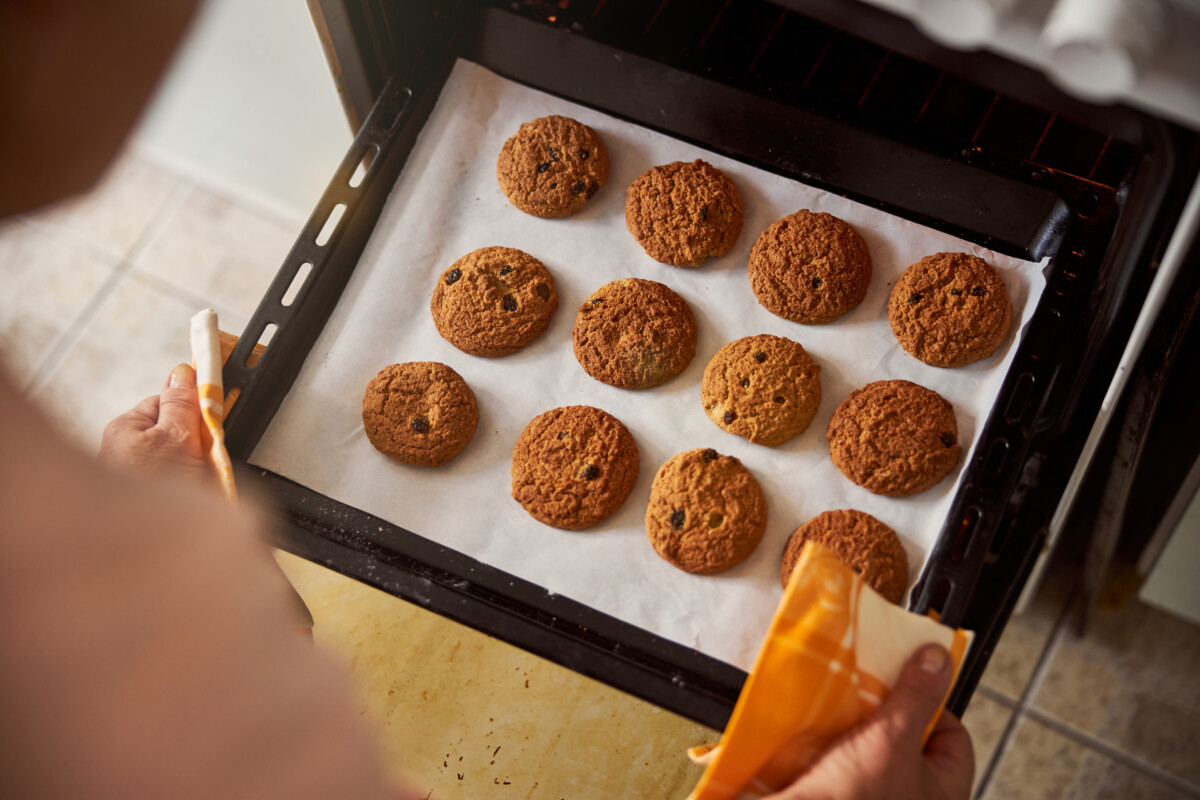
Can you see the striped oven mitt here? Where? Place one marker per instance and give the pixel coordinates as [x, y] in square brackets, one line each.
[206, 356]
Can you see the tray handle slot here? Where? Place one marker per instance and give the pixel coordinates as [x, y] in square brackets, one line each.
[293, 290]
[364, 166]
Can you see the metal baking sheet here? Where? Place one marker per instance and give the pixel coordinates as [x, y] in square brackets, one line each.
[447, 203]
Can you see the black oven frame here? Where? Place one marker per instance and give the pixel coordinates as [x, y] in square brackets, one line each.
[1098, 236]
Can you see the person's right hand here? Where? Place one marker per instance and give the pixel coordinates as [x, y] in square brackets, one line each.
[883, 757]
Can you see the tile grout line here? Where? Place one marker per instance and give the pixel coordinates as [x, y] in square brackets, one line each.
[1024, 702]
[185, 295]
[1116, 754]
[1024, 708]
[121, 269]
[67, 340]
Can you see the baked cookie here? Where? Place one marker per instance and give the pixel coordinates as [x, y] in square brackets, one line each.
[573, 467]
[634, 334]
[552, 166]
[861, 542]
[494, 301]
[420, 413]
[894, 438]
[950, 309]
[707, 512]
[683, 214]
[763, 388]
[810, 268]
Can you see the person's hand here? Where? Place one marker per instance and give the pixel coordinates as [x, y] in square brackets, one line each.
[883, 757]
[162, 431]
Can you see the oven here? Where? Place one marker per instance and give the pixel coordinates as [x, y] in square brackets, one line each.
[1091, 431]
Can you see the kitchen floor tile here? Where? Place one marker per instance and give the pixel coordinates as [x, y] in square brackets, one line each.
[986, 720]
[463, 715]
[48, 282]
[1026, 637]
[1041, 763]
[115, 214]
[216, 247]
[1131, 683]
[249, 104]
[123, 355]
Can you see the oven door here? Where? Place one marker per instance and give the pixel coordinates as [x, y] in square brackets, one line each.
[1097, 190]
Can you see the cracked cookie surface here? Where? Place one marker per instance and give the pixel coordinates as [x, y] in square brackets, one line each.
[552, 166]
[573, 467]
[684, 213]
[494, 301]
[810, 268]
[706, 513]
[861, 542]
[894, 438]
[950, 309]
[763, 388]
[634, 334]
[420, 412]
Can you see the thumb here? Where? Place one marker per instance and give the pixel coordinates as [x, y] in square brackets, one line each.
[179, 403]
[918, 692]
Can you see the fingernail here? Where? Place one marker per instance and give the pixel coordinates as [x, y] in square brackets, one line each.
[179, 377]
[934, 659]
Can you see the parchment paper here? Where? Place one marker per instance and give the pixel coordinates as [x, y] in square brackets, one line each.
[447, 203]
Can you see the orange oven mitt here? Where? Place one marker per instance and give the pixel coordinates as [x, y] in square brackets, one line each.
[834, 649]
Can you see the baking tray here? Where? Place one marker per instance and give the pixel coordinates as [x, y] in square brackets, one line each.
[1014, 209]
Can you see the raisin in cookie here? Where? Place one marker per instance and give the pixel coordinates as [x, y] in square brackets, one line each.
[552, 166]
[861, 542]
[494, 301]
[634, 334]
[894, 438]
[573, 467]
[763, 388]
[950, 309]
[420, 413]
[810, 268]
[682, 214]
[707, 512]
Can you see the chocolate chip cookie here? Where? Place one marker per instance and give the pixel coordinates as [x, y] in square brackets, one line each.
[634, 334]
[707, 512]
[421, 412]
[763, 388]
[552, 166]
[494, 301]
[861, 542]
[950, 309]
[894, 438]
[573, 467]
[684, 213]
[810, 268]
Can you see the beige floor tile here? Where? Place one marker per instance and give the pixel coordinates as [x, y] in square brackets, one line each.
[1026, 637]
[1041, 763]
[119, 209]
[986, 720]
[463, 715]
[215, 247]
[1131, 682]
[123, 355]
[47, 282]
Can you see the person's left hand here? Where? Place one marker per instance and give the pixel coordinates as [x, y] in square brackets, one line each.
[161, 432]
